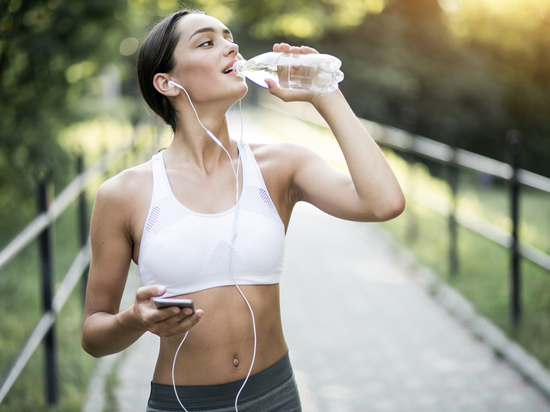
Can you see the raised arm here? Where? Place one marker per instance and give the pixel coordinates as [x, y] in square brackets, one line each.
[371, 192]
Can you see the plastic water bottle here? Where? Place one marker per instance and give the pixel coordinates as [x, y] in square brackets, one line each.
[316, 72]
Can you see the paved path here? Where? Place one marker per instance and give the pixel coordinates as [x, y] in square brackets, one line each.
[382, 344]
[363, 335]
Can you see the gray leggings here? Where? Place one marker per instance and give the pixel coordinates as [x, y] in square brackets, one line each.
[271, 390]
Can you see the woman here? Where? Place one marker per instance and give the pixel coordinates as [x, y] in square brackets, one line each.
[175, 216]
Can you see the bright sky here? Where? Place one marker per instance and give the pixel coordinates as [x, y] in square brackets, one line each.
[497, 6]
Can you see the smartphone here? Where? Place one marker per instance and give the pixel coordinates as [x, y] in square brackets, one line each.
[180, 303]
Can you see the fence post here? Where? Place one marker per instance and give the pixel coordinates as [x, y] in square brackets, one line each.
[43, 175]
[83, 225]
[514, 138]
[409, 117]
[452, 181]
[411, 228]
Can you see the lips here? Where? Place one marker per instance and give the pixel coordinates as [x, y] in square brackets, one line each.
[229, 67]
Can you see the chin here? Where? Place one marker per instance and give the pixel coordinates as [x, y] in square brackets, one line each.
[245, 91]
[241, 93]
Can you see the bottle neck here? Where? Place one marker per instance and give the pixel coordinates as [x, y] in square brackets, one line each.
[239, 66]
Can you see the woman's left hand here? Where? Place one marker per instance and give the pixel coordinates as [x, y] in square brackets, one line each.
[287, 94]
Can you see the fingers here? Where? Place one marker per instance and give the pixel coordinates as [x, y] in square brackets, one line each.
[171, 321]
[275, 90]
[289, 95]
[287, 48]
[146, 293]
[163, 322]
[179, 324]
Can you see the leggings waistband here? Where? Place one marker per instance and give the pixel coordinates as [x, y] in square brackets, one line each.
[223, 395]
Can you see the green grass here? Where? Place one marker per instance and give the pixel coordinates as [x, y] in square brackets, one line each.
[492, 203]
[20, 301]
[484, 266]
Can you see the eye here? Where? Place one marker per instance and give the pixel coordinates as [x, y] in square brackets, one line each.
[206, 43]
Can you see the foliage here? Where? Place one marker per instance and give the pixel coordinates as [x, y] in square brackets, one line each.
[403, 68]
[52, 55]
[515, 38]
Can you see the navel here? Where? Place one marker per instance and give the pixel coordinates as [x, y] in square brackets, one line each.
[236, 362]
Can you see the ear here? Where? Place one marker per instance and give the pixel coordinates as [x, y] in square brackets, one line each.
[160, 82]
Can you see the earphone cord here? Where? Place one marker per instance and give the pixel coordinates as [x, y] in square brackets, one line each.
[173, 369]
[236, 173]
[236, 284]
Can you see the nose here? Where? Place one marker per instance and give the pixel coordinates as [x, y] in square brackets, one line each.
[232, 48]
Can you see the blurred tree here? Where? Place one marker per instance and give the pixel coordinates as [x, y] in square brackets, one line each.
[515, 39]
[51, 52]
[406, 69]
[297, 19]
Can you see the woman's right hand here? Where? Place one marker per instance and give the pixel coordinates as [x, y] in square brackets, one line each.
[162, 322]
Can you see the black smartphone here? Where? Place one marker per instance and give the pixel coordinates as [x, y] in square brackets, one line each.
[180, 303]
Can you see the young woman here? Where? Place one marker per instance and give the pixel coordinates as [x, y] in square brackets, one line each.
[176, 216]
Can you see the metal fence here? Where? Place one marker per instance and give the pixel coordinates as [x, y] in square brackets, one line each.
[41, 227]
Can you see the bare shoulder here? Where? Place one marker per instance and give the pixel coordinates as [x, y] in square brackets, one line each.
[127, 184]
[284, 161]
[127, 195]
[281, 154]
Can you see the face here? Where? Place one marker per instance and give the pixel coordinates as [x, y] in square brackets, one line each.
[204, 51]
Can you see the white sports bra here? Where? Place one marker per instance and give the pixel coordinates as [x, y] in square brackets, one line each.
[188, 251]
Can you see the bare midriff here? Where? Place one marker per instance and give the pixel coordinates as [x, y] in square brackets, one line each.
[219, 348]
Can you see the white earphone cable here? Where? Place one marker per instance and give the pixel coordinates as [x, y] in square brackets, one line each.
[236, 173]
[231, 272]
[173, 369]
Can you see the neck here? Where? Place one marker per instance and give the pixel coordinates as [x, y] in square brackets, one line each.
[192, 142]
[193, 145]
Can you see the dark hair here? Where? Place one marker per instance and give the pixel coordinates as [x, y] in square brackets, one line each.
[156, 55]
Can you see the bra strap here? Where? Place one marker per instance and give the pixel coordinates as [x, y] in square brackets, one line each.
[160, 180]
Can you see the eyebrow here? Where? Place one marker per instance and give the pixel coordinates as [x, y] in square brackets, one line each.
[208, 30]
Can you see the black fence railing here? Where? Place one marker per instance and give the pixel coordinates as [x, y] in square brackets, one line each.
[41, 227]
[454, 159]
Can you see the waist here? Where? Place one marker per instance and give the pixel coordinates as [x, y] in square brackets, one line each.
[204, 397]
[219, 348]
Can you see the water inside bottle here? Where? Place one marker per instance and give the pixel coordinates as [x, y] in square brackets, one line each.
[297, 80]
[258, 74]
[291, 73]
